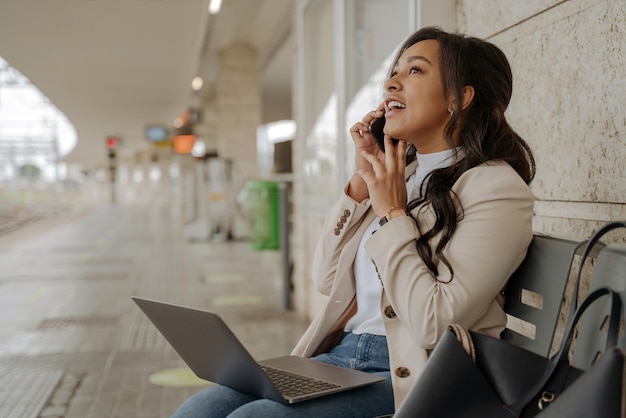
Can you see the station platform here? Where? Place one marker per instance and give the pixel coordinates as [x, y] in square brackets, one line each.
[72, 342]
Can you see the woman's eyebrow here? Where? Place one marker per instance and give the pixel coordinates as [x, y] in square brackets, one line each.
[411, 59]
[417, 57]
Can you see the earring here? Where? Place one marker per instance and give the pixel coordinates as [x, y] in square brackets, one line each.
[451, 112]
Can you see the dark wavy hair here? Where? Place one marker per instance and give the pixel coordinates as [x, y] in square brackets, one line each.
[483, 131]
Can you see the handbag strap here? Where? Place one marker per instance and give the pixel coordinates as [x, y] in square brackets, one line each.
[574, 315]
[591, 243]
[464, 337]
[614, 320]
[562, 355]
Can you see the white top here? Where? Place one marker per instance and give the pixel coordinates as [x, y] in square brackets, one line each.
[368, 318]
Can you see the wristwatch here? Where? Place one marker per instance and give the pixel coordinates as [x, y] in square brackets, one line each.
[392, 213]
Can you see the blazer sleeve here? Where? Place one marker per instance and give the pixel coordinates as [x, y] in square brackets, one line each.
[341, 223]
[489, 243]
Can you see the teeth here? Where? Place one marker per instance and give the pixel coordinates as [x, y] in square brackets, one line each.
[395, 105]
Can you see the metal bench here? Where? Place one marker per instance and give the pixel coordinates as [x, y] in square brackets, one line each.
[534, 293]
[609, 270]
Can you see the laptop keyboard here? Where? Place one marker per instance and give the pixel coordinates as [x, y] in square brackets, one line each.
[295, 385]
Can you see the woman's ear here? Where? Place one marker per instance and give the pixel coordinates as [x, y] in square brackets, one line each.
[468, 96]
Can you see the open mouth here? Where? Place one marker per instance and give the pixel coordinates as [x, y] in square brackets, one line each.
[395, 105]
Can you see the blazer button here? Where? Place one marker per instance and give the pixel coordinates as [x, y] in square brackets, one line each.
[346, 212]
[339, 225]
[389, 312]
[343, 218]
[402, 372]
[337, 231]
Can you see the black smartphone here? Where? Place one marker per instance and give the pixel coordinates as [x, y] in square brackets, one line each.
[376, 128]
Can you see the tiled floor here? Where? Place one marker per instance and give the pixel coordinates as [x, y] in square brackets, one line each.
[73, 344]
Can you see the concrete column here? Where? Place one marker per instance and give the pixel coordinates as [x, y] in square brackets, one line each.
[238, 99]
[239, 113]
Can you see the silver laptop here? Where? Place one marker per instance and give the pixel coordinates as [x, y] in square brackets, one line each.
[213, 352]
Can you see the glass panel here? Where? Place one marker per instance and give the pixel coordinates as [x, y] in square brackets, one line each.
[320, 167]
[375, 29]
[34, 133]
[320, 111]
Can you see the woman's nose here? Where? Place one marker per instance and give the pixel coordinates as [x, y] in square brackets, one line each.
[391, 84]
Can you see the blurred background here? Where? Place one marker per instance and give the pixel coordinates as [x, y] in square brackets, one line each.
[229, 120]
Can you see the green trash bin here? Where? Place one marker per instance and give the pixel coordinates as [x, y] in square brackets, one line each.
[262, 197]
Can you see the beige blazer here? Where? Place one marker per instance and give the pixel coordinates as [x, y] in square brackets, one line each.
[489, 243]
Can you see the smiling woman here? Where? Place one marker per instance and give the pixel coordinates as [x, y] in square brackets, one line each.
[410, 248]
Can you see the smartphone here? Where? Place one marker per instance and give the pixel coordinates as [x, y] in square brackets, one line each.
[376, 128]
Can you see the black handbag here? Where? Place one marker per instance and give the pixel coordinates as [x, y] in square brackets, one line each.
[471, 375]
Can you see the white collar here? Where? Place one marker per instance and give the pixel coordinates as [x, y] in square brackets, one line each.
[435, 160]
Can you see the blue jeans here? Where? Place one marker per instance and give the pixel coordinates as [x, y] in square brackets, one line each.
[363, 352]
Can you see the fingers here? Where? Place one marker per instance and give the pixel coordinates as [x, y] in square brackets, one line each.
[386, 188]
[395, 156]
[401, 157]
[363, 126]
[374, 114]
[371, 116]
[377, 165]
[359, 129]
[390, 155]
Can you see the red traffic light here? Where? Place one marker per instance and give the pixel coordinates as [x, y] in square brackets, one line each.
[112, 142]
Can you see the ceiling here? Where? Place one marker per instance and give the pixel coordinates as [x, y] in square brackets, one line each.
[113, 66]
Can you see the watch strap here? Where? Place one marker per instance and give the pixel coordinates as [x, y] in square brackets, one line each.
[385, 217]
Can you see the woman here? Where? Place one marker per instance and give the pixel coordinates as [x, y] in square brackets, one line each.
[409, 249]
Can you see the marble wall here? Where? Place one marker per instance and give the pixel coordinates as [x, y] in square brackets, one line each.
[568, 102]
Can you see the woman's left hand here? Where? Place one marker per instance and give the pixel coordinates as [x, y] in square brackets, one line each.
[386, 184]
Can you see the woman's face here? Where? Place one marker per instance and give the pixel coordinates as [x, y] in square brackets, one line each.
[415, 107]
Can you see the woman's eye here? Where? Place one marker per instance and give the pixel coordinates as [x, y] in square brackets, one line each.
[415, 70]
